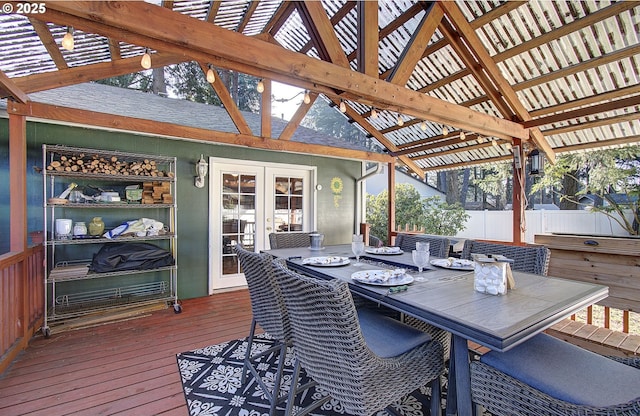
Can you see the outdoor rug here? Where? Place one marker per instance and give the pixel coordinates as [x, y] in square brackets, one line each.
[211, 380]
[211, 383]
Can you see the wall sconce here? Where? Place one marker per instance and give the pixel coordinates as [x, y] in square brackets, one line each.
[535, 162]
[202, 168]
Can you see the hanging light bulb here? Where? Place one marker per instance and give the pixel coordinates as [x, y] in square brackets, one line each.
[211, 76]
[445, 131]
[343, 107]
[307, 98]
[260, 87]
[374, 113]
[146, 59]
[423, 126]
[494, 143]
[67, 40]
[480, 140]
[462, 135]
[400, 121]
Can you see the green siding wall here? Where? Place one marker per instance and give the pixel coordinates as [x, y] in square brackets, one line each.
[336, 222]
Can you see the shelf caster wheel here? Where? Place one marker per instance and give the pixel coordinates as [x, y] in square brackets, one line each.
[46, 332]
[177, 308]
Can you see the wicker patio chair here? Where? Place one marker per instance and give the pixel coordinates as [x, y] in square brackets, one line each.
[438, 246]
[268, 308]
[547, 376]
[529, 259]
[375, 241]
[362, 359]
[289, 240]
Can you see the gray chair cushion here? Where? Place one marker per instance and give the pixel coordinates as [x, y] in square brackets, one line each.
[387, 337]
[567, 372]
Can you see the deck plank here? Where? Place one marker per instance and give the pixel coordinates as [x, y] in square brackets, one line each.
[126, 367]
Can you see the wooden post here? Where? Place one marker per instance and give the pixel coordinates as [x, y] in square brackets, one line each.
[365, 230]
[18, 182]
[265, 110]
[518, 191]
[391, 185]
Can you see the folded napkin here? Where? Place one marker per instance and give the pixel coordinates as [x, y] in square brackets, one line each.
[382, 250]
[324, 260]
[383, 276]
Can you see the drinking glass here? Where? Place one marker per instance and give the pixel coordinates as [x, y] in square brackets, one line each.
[420, 259]
[422, 246]
[358, 249]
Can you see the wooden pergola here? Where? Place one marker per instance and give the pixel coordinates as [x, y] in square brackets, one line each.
[453, 84]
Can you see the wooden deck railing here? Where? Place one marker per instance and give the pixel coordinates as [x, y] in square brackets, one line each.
[21, 301]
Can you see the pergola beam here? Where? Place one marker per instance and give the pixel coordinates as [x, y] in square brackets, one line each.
[170, 130]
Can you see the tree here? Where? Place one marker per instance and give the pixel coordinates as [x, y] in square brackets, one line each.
[494, 182]
[326, 119]
[612, 175]
[142, 81]
[432, 214]
[187, 81]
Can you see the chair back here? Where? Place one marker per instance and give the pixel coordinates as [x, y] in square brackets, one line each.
[267, 303]
[530, 258]
[375, 241]
[327, 337]
[438, 246]
[365, 360]
[289, 240]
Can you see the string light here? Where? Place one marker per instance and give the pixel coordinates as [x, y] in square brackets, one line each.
[211, 76]
[374, 113]
[445, 131]
[343, 107]
[307, 98]
[462, 135]
[494, 143]
[400, 121]
[260, 87]
[423, 126]
[146, 59]
[67, 40]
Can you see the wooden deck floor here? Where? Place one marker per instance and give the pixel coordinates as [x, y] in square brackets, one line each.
[127, 367]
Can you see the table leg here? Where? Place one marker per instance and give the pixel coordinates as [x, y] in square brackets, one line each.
[459, 385]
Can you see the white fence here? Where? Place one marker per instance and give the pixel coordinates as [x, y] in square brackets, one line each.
[497, 225]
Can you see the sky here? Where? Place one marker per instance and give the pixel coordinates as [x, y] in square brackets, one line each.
[285, 109]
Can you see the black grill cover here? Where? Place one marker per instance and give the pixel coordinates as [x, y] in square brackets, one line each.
[130, 256]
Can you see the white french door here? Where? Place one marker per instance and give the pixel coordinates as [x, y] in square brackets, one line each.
[247, 201]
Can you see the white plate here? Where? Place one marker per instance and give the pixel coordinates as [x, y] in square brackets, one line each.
[381, 278]
[328, 261]
[391, 251]
[455, 264]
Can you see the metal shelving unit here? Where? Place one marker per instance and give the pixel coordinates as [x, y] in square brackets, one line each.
[65, 298]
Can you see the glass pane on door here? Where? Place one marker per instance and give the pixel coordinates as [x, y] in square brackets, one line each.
[238, 217]
[288, 209]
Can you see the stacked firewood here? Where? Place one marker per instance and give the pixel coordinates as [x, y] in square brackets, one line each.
[96, 164]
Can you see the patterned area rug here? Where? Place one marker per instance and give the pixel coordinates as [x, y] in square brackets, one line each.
[211, 383]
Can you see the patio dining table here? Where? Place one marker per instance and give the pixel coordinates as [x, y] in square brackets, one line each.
[446, 298]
